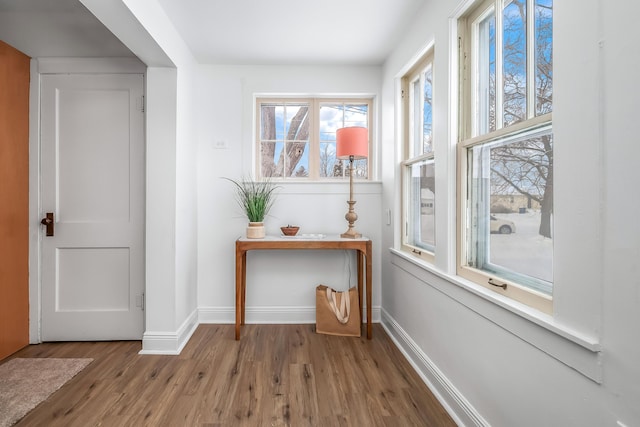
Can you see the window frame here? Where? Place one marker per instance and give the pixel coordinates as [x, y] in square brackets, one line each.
[409, 157]
[469, 136]
[314, 102]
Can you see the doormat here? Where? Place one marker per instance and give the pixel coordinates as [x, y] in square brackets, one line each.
[24, 383]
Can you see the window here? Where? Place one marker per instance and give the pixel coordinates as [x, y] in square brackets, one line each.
[507, 149]
[297, 137]
[418, 167]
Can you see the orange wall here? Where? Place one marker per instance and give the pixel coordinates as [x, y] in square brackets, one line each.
[14, 202]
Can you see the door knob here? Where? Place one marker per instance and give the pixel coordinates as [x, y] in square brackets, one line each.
[48, 221]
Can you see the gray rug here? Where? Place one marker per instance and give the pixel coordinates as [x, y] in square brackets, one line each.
[24, 383]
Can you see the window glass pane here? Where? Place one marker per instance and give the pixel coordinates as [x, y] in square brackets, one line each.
[270, 152]
[514, 51]
[284, 131]
[359, 168]
[268, 122]
[487, 74]
[427, 120]
[544, 56]
[297, 159]
[355, 115]
[421, 204]
[511, 205]
[328, 164]
[332, 118]
[422, 112]
[416, 118]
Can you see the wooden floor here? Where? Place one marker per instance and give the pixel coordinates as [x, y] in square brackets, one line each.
[276, 375]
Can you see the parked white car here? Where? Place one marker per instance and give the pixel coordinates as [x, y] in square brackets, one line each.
[501, 226]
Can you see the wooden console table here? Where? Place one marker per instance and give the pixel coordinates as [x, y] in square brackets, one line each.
[243, 245]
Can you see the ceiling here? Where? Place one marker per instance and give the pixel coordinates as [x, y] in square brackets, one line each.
[301, 32]
[56, 28]
[361, 32]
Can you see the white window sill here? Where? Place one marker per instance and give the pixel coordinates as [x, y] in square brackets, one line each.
[573, 348]
[328, 187]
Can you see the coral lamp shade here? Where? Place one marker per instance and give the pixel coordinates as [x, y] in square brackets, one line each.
[352, 141]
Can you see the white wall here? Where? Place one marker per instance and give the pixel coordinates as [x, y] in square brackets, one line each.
[494, 362]
[171, 217]
[281, 285]
[181, 298]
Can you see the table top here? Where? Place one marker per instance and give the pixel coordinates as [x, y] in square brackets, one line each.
[305, 238]
[303, 242]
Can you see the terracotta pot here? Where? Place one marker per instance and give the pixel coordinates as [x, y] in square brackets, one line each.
[255, 230]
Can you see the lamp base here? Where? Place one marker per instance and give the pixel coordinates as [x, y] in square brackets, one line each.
[351, 234]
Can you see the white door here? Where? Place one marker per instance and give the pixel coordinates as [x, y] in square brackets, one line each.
[92, 181]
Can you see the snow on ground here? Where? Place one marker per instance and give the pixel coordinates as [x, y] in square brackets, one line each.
[525, 250]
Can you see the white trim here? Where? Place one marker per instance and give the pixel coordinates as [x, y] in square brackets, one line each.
[279, 96]
[459, 408]
[216, 315]
[34, 207]
[499, 114]
[91, 66]
[259, 315]
[531, 62]
[461, 9]
[451, 157]
[170, 343]
[269, 315]
[399, 135]
[38, 67]
[578, 350]
[337, 186]
[314, 105]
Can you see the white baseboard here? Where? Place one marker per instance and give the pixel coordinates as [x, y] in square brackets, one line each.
[170, 343]
[453, 401]
[267, 315]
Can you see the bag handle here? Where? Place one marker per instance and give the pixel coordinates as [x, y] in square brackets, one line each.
[344, 311]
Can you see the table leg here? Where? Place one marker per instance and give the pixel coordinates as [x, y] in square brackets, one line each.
[240, 267]
[244, 287]
[369, 299]
[360, 255]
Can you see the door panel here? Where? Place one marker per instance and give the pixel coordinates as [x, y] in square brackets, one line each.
[92, 172]
[93, 148]
[93, 278]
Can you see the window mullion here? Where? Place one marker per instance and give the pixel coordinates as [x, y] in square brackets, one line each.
[420, 128]
[314, 139]
[412, 118]
[285, 138]
[499, 65]
[531, 59]
[405, 87]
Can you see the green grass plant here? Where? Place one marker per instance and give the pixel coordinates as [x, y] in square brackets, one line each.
[255, 198]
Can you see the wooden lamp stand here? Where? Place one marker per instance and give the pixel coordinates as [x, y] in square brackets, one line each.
[352, 143]
[351, 215]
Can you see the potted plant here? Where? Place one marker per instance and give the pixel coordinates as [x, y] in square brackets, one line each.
[255, 198]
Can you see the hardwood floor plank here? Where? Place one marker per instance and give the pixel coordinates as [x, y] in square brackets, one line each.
[276, 375]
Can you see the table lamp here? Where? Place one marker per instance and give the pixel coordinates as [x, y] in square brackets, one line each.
[352, 143]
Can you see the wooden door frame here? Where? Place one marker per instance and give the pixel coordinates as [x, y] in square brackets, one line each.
[54, 66]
